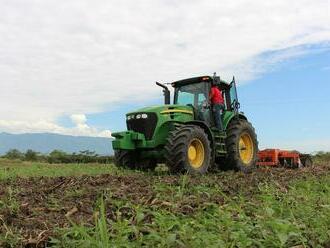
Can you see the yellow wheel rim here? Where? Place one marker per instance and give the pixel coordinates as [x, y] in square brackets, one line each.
[246, 148]
[196, 153]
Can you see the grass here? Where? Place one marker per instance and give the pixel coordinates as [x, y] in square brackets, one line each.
[186, 211]
[14, 169]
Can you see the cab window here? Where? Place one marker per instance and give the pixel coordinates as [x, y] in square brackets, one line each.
[193, 94]
[185, 98]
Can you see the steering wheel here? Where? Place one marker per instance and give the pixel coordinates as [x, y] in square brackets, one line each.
[205, 105]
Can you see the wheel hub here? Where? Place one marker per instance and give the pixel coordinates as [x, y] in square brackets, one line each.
[196, 153]
[246, 148]
[192, 152]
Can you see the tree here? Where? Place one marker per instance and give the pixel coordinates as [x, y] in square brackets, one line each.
[14, 154]
[87, 156]
[58, 156]
[31, 155]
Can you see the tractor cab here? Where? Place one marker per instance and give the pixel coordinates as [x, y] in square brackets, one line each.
[195, 91]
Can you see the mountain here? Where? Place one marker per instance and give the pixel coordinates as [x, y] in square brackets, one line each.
[47, 142]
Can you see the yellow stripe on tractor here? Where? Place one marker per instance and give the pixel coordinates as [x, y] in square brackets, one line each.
[169, 111]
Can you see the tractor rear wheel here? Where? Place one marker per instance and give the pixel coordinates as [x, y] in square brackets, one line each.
[242, 146]
[188, 148]
[125, 158]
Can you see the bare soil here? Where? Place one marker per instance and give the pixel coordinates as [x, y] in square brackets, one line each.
[35, 207]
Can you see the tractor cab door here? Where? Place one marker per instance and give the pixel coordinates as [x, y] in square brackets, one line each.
[234, 104]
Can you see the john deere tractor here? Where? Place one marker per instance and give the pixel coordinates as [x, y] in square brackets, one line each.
[183, 134]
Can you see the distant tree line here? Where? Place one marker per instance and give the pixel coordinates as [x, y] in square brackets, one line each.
[86, 156]
[322, 157]
[58, 156]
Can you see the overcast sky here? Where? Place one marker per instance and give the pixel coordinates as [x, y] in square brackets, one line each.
[74, 58]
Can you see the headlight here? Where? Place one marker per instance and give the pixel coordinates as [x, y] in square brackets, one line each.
[130, 117]
[137, 116]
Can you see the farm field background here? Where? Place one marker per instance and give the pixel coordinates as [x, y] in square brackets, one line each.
[96, 205]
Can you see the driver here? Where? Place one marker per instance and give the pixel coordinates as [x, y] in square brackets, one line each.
[217, 103]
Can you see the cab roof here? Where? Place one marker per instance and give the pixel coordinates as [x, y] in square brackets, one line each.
[195, 80]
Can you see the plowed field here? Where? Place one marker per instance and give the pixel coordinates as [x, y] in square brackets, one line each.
[41, 211]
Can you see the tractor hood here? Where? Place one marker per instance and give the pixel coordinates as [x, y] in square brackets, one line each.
[163, 109]
[149, 127]
[153, 119]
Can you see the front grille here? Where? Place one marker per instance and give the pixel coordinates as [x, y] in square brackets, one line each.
[146, 126]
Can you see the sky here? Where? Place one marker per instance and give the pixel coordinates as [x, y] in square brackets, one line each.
[77, 66]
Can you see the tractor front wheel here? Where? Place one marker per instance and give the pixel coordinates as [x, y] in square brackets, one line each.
[125, 158]
[147, 164]
[131, 160]
[188, 148]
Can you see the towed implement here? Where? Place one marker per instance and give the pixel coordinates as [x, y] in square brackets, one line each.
[182, 134]
[283, 158]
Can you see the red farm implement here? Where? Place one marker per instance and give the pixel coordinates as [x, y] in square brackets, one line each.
[277, 157]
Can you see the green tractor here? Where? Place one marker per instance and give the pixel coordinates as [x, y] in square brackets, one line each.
[183, 134]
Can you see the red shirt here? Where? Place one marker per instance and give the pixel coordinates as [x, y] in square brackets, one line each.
[216, 96]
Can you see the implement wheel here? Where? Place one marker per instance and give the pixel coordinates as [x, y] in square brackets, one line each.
[242, 145]
[306, 160]
[188, 149]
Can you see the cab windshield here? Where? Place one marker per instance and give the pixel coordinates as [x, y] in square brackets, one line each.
[192, 94]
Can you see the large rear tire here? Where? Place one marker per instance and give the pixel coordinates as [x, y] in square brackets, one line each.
[188, 149]
[242, 146]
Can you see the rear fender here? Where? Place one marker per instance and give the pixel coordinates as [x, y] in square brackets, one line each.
[232, 117]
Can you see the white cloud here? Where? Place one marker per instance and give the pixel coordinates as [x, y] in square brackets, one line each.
[81, 128]
[58, 58]
[79, 119]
